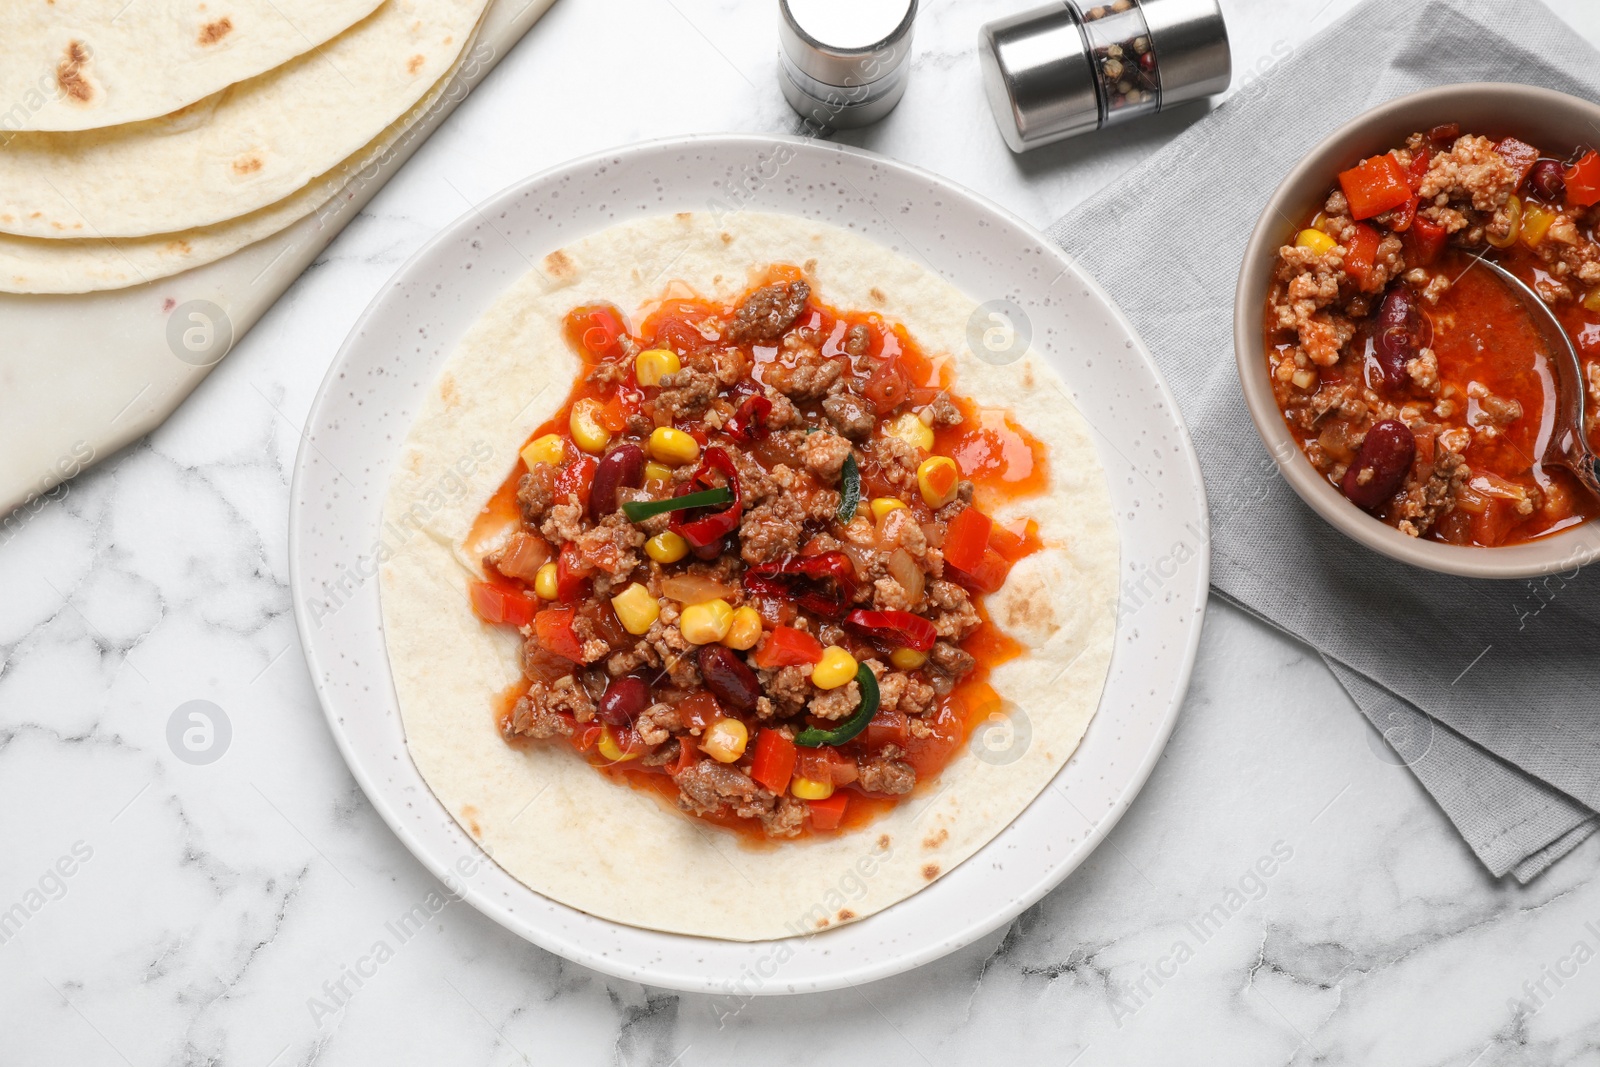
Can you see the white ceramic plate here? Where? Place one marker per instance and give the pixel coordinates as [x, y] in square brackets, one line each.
[378, 379]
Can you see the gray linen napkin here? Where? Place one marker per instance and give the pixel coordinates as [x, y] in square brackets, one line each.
[1484, 689]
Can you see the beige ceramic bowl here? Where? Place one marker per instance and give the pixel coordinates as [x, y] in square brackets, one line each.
[1553, 121]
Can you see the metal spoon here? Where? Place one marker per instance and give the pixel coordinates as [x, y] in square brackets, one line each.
[1567, 445]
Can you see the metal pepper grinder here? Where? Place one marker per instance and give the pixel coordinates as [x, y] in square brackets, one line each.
[844, 62]
[1070, 68]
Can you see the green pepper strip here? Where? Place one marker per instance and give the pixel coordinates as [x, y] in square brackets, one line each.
[850, 491]
[639, 510]
[811, 737]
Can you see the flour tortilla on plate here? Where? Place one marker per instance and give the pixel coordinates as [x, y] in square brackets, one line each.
[560, 826]
[38, 265]
[241, 149]
[82, 64]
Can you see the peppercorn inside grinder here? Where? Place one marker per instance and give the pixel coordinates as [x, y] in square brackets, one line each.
[1063, 70]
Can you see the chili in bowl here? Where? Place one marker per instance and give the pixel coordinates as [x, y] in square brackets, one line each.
[1404, 388]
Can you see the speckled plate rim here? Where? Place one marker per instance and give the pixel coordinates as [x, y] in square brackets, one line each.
[334, 536]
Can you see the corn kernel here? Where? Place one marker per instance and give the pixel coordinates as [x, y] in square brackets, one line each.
[610, 749]
[908, 659]
[1592, 301]
[938, 477]
[653, 364]
[706, 624]
[666, 547]
[673, 447]
[1317, 241]
[837, 667]
[549, 449]
[912, 430]
[544, 581]
[882, 505]
[587, 433]
[636, 609]
[657, 472]
[725, 740]
[745, 630]
[806, 789]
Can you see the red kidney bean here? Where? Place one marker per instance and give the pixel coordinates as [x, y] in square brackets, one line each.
[1445, 134]
[729, 680]
[1397, 335]
[712, 551]
[624, 699]
[1386, 456]
[622, 466]
[1548, 180]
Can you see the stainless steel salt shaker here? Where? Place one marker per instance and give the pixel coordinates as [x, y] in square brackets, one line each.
[844, 62]
[1079, 65]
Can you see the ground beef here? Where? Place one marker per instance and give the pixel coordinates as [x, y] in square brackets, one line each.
[674, 650]
[564, 523]
[901, 530]
[857, 340]
[536, 492]
[610, 373]
[612, 545]
[685, 394]
[785, 818]
[825, 454]
[787, 687]
[534, 718]
[896, 461]
[950, 660]
[890, 595]
[594, 646]
[1432, 497]
[727, 365]
[771, 529]
[953, 615]
[837, 703]
[657, 723]
[850, 415]
[885, 772]
[768, 312]
[1471, 171]
[629, 660]
[803, 373]
[902, 691]
[709, 786]
[945, 412]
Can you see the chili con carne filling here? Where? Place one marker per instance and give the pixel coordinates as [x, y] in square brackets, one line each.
[748, 556]
[1417, 385]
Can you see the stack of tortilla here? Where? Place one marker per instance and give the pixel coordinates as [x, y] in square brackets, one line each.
[141, 138]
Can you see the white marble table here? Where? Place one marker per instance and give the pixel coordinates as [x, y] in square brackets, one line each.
[227, 913]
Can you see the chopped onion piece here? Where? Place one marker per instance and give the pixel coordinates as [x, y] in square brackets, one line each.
[904, 569]
[694, 589]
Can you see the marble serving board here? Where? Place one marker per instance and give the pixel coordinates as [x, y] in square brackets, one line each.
[84, 375]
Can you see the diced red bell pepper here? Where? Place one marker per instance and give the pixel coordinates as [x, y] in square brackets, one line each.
[601, 337]
[1521, 155]
[552, 628]
[826, 764]
[787, 647]
[966, 538]
[1583, 181]
[1014, 544]
[900, 629]
[1376, 185]
[575, 477]
[1362, 256]
[572, 574]
[827, 814]
[1418, 169]
[1424, 241]
[887, 387]
[773, 763]
[687, 757]
[499, 603]
[886, 728]
[988, 576]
